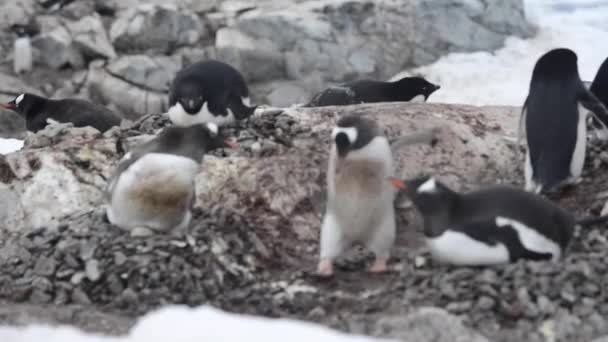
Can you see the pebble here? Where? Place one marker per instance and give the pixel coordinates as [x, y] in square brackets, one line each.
[45, 266]
[92, 270]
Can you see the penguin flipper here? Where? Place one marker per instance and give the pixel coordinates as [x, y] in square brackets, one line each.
[594, 105]
[521, 130]
[238, 108]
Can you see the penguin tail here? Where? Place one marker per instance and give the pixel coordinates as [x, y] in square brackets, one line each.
[592, 220]
[240, 110]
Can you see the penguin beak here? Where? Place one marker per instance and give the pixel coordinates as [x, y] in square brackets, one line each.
[231, 144]
[9, 106]
[397, 183]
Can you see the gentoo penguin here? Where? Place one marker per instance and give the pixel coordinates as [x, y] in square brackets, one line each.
[360, 204]
[209, 91]
[494, 225]
[38, 112]
[407, 89]
[153, 185]
[22, 47]
[554, 122]
[599, 88]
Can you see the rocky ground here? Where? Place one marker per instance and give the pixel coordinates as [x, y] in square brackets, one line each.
[87, 273]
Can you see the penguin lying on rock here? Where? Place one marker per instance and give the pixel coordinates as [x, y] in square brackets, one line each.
[153, 186]
[208, 91]
[494, 225]
[39, 112]
[407, 89]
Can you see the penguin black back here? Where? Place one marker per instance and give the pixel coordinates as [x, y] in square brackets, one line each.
[552, 115]
[599, 87]
[369, 91]
[38, 111]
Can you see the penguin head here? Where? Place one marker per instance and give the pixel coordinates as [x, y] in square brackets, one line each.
[23, 103]
[557, 64]
[190, 96]
[413, 86]
[208, 137]
[353, 132]
[429, 195]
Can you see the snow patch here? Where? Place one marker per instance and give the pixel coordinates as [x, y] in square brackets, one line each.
[183, 324]
[10, 145]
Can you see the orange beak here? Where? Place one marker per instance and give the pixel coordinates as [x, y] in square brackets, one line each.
[231, 144]
[397, 183]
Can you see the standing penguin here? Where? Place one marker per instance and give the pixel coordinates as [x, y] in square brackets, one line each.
[599, 88]
[555, 124]
[153, 186]
[407, 89]
[209, 91]
[360, 204]
[495, 225]
[38, 112]
[22, 47]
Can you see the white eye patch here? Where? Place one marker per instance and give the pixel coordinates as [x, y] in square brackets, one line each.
[430, 186]
[213, 128]
[351, 133]
[19, 99]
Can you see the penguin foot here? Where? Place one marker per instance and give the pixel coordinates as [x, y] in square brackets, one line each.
[325, 268]
[379, 266]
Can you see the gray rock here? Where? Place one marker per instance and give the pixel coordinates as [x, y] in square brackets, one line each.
[55, 45]
[426, 324]
[131, 100]
[92, 270]
[148, 73]
[286, 94]
[376, 39]
[15, 12]
[45, 266]
[90, 37]
[161, 28]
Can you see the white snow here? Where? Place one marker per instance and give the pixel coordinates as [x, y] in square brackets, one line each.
[182, 324]
[502, 77]
[10, 145]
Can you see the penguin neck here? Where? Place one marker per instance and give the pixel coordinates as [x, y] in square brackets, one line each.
[436, 223]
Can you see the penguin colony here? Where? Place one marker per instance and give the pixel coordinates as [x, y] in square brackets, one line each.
[152, 188]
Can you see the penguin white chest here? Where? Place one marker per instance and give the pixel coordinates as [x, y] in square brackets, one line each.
[458, 248]
[418, 99]
[22, 60]
[154, 192]
[578, 157]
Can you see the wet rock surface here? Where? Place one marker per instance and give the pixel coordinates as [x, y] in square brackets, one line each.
[252, 245]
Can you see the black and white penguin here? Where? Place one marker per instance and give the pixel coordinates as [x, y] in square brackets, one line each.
[554, 121]
[407, 89]
[22, 49]
[494, 225]
[152, 188]
[209, 91]
[359, 200]
[38, 112]
[599, 88]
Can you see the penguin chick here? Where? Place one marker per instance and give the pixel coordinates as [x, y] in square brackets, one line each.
[38, 112]
[554, 121]
[407, 89]
[209, 91]
[153, 186]
[494, 225]
[359, 200]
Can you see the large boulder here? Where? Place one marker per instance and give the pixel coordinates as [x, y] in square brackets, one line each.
[135, 84]
[345, 39]
[160, 28]
[276, 179]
